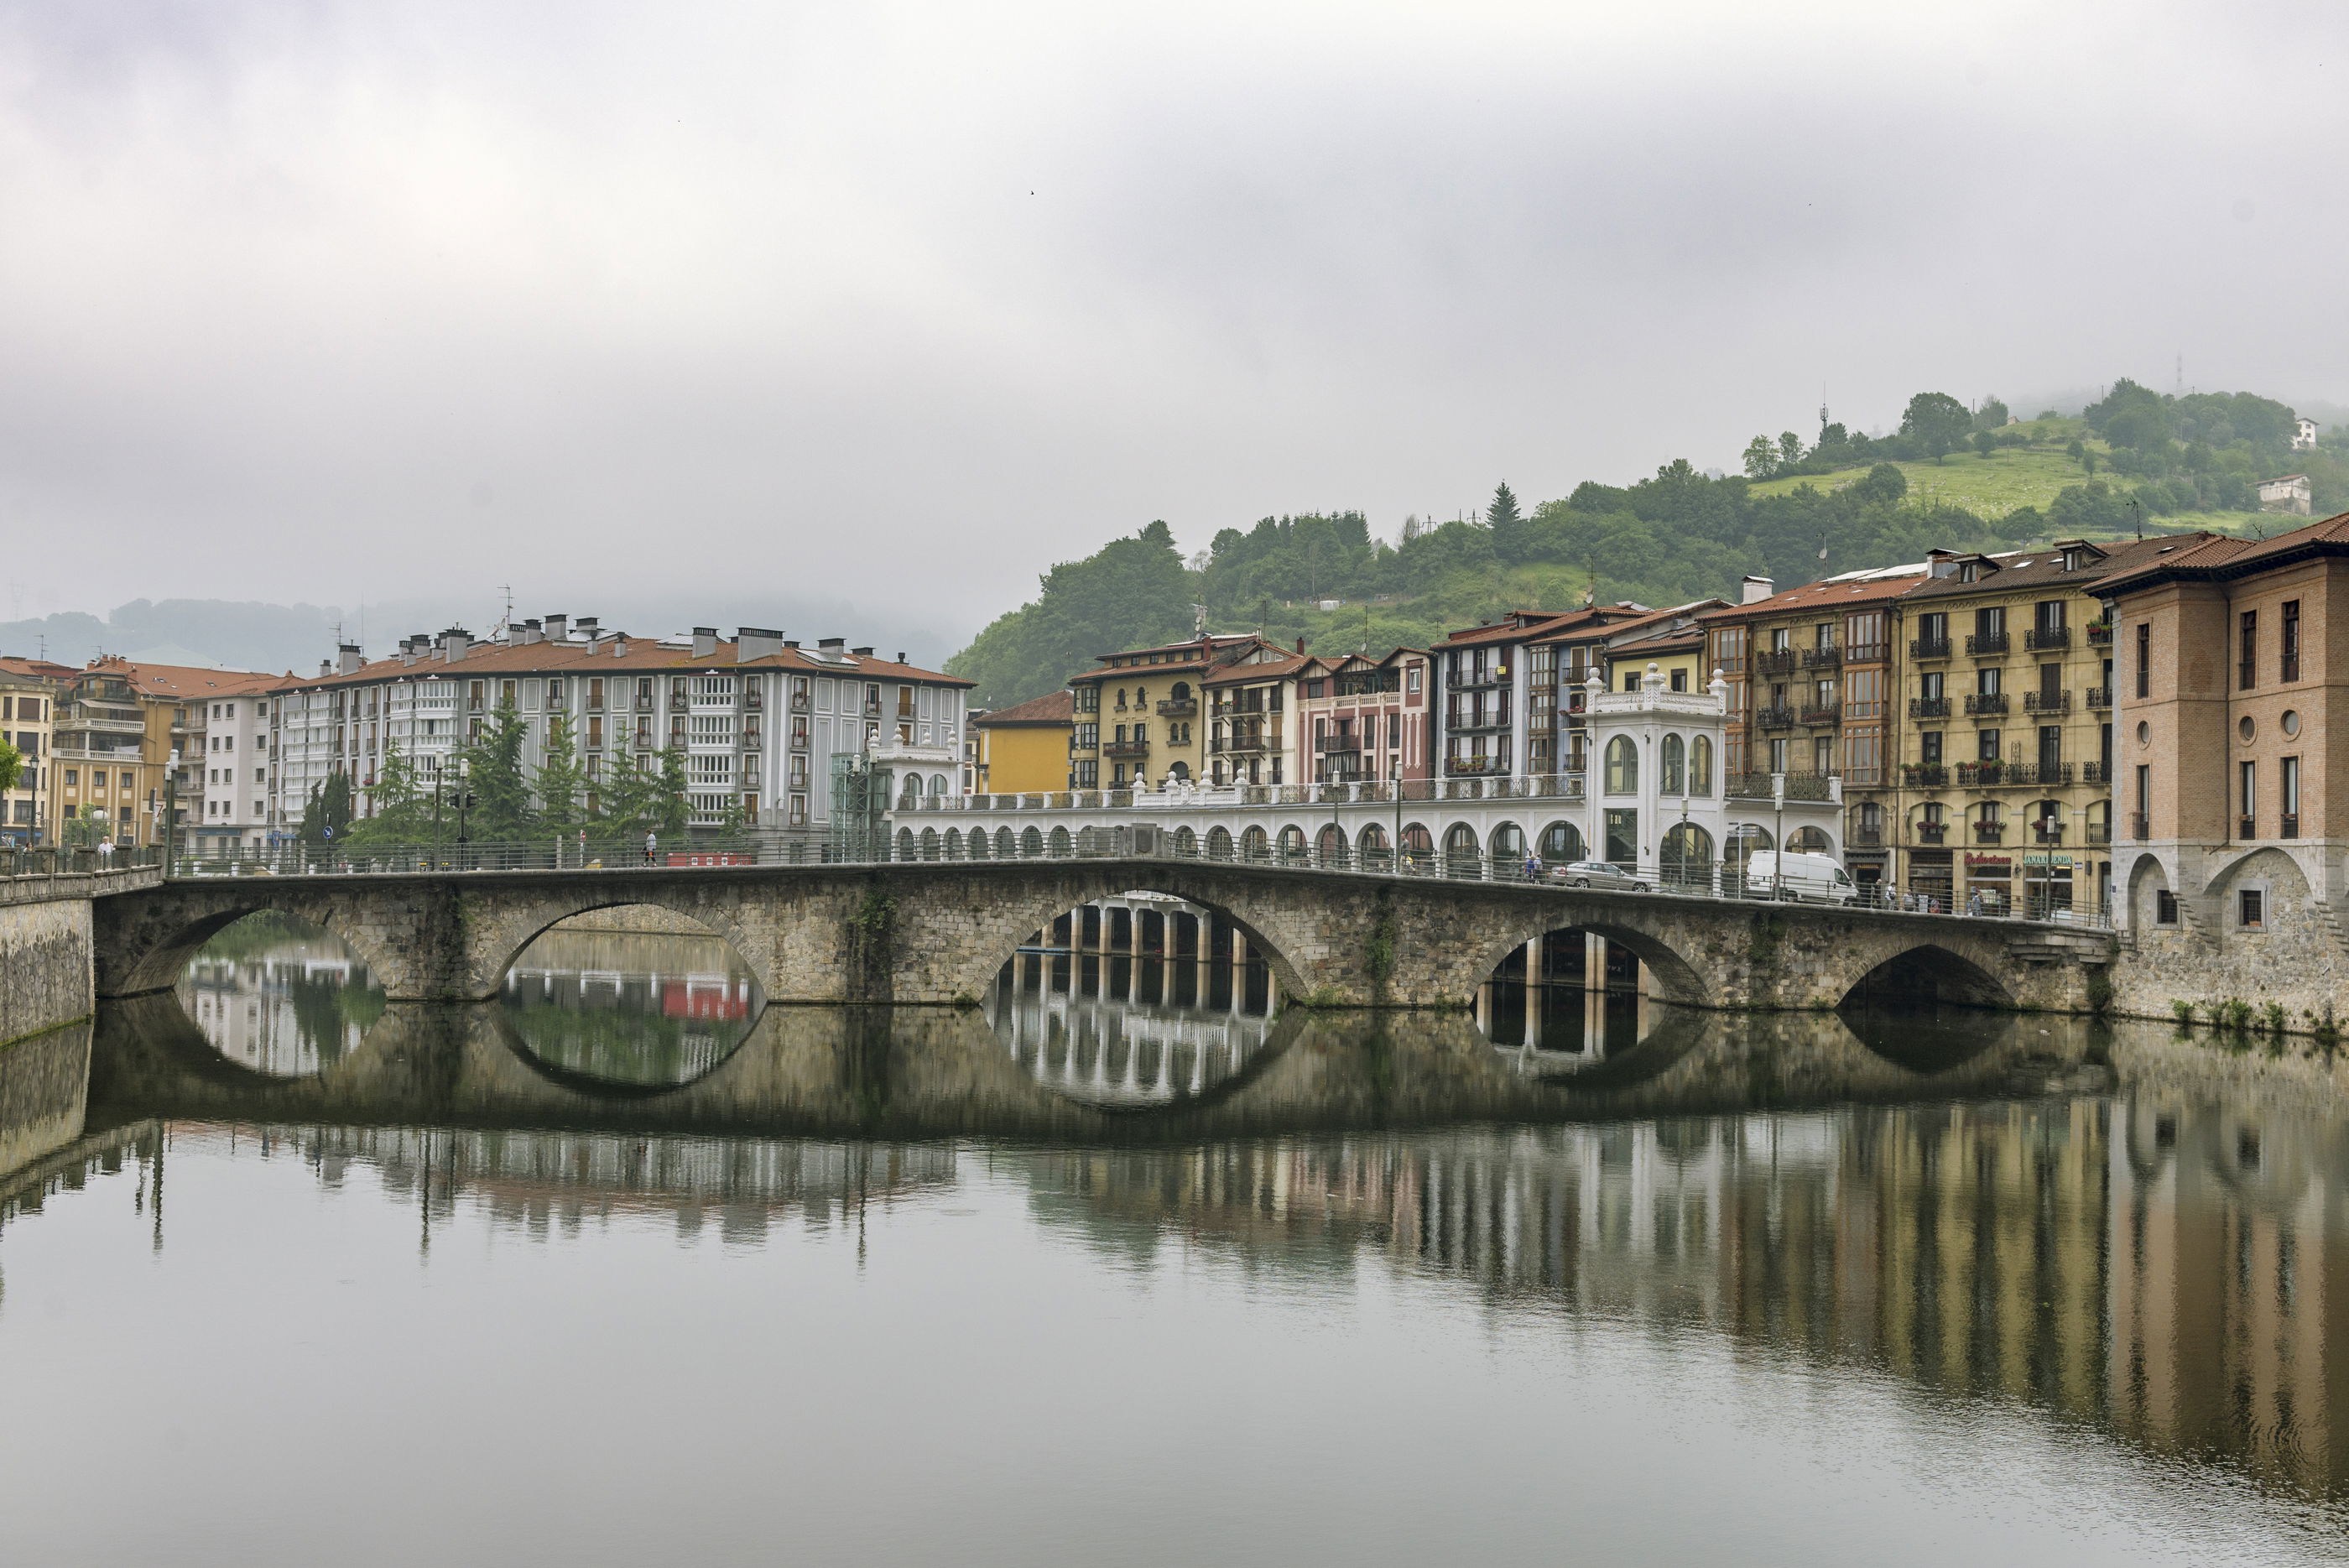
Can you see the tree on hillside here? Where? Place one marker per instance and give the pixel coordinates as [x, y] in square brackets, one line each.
[1130, 592]
[1985, 444]
[1760, 458]
[1991, 415]
[1507, 524]
[1936, 422]
[1790, 448]
[1883, 485]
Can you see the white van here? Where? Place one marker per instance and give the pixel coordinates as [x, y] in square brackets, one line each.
[1811, 877]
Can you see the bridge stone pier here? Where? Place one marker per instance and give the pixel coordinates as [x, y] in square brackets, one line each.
[938, 932]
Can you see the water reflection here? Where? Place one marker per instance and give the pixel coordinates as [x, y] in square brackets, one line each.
[607, 999]
[1567, 1000]
[280, 996]
[1137, 1001]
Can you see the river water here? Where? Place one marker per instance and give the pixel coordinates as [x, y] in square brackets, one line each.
[1133, 1265]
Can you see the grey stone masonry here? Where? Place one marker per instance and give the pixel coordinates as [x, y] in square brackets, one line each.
[938, 932]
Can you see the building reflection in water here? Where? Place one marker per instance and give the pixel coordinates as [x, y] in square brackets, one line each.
[1566, 1000]
[2162, 1267]
[1135, 1000]
[280, 995]
[633, 996]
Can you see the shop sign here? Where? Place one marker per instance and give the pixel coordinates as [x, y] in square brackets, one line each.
[2046, 857]
[1989, 862]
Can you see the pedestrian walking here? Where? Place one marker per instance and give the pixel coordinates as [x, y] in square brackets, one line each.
[652, 844]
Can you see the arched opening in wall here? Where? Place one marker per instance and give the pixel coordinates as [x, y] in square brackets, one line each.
[1461, 856]
[1371, 852]
[1031, 842]
[905, 843]
[1185, 842]
[1058, 845]
[1561, 843]
[1687, 859]
[1219, 844]
[954, 843]
[929, 844]
[1743, 842]
[1329, 848]
[1507, 844]
[1920, 981]
[1809, 841]
[1137, 1001]
[279, 995]
[1004, 848]
[1418, 847]
[635, 996]
[1255, 847]
[1574, 996]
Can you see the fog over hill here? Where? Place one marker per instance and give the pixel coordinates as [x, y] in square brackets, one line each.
[229, 634]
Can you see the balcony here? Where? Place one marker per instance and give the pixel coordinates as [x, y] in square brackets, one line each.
[2100, 634]
[1474, 767]
[1931, 831]
[1924, 775]
[799, 701]
[1986, 644]
[2047, 638]
[2095, 773]
[2099, 699]
[2288, 825]
[1248, 745]
[1773, 718]
[1477, 683]
[2046, 701]
[1823, 714]
[2140, 828]
[1125, 748]
[2047, 830]
[1479, 727]
[1776, 661]
[2100, 832]
[1866, 839]
[1986, 703]
[1334, 746]
[1982, 773]
[1929, 647]
[2246, 828]
[1178, 708]
[1928, 707]
[1829, 658]
[1990, 833]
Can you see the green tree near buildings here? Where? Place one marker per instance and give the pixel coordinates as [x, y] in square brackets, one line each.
[326, 815]
[561, 786]
[1937, 422]
[1131, 592]
[399, 809]
[86, 827]
[670, 808]
[492, 768]
[11, 765]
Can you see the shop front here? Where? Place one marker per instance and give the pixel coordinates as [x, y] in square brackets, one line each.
[1990, 883]
[1931, 872]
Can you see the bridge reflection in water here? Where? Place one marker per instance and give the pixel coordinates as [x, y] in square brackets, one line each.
[280, 996]
[1566, 1000]
[651, 1004]
[1134, 1002]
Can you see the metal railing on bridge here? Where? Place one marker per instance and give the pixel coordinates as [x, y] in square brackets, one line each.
[74, 860]
[1721, 880]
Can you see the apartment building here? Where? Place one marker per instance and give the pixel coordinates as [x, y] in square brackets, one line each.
[112, 757]
[2233, 820]
[1810, 675]
[1250, 731]
[763, 724]
[1358, 718]
[30, 690]
[1140, 717]
[2003, 796]
[218, 722]
[1023, 749]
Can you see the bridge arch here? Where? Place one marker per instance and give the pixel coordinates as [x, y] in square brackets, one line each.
[159, 952]
[1039, 908]
[494, 943]
[1674, 976]
[1927, 973]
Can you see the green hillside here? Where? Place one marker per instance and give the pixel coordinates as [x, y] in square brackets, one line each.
[1951, 477]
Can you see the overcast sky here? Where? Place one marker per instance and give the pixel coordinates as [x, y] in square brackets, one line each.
[899, 303]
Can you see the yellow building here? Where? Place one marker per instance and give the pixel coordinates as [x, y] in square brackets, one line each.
[29, 691]
[111, 758]
[1139, 717]
[1023, 750]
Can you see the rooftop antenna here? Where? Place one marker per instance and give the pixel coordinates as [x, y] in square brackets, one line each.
[505, 617]
[2179, 390]
[1199, 619]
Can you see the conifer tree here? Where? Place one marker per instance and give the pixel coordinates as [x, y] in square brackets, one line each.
[399, 808]
[1508, 526]
[493, 769]
[670, 807]
[559, 783]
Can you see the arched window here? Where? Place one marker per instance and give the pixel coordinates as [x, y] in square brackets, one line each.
[1031, 842]
[929, 844]
[1688, 857]
[1623, 765]
[911, 797]
[1179, 772]
[1292, 845]
[938, 785]
[1121, 696]
[1219, 844]
[905, 843]
[1561, 842]
[1256, 846]
[954, 843]
[1182, 692]
[1060, 844]
[979, 844]
[1460, 857]
[1003, 844]
[1809, 841]
[1700, 770]
[1675, 765]
[1508, 842]
[1185, 841]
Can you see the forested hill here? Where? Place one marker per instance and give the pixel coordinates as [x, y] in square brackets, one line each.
[1844, 502]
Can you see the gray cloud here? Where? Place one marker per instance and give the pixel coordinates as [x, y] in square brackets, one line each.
[895, 304]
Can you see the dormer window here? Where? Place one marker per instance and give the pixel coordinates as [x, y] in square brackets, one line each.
[1969, 571]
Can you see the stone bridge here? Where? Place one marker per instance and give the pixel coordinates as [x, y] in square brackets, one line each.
[938, 932]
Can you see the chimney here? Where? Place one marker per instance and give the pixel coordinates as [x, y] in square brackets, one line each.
[861, 652]
[406, 651]
[705, 641]
[1756, 589]
[531, 631]
[349, 657]
[758, 643]
[558, 627]
[1940, 563]
[326, 667]
[791, 642]
[453, 643]
[1301, 647]
[589, 627]
[901, 656]
[832, 646]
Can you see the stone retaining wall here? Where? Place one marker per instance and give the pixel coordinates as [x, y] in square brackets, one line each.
[45, 966]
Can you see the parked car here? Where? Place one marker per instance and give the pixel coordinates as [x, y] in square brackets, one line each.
[1598, 874]
[1796, 874]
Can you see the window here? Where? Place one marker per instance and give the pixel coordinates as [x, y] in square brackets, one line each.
[1622, 766]
[2251, 909]
[2047, 615]
[1411, 679]
[1863, 693]
[1932, 686]
[1630, 680]
[1823, 755]
[1778, 756]
[2144, 659]
[1990, 621]
[2248, 788]
[2165, 907]
[2246, 671]
[1863, 757]
[1679, 679]
[1675, 764]
[2291, 671]
[1986, 745]
[2288, 798]
[1928, 748]
[1989, 680]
